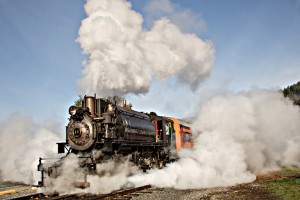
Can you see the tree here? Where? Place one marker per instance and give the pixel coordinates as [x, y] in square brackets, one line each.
[78, 102]
[129, 105]
[293, 92]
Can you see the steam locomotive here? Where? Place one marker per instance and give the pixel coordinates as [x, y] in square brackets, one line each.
[116, 131]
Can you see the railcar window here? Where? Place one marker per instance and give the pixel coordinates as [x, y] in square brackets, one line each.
[186, 137]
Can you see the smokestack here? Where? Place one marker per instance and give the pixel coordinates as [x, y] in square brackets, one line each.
[89, 101]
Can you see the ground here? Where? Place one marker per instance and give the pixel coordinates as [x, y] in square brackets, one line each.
[282, 184]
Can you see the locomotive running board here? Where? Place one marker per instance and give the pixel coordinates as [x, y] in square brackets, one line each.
[136, 143]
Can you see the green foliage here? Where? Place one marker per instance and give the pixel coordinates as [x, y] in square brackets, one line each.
[286, 188]
[129, 105]
[291, 169]
[293, 92]
[297, 102]
[78, 102]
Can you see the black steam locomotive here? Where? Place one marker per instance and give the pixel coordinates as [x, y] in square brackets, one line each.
[102, 125]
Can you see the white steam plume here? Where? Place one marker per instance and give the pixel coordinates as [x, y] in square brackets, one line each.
[236, 137]
[109, 176]
[123, 58]
[69, 173]
[22, 142]
[184, 18]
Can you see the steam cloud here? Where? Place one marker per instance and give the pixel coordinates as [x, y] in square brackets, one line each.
[22, 142]
[109, 176]
[236, 137]
[123, 58]
[185, 19]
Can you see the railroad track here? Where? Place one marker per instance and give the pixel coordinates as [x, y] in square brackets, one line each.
[124, 194]
[9, 190]
[118, 195]
[8, 185]
[31, 196]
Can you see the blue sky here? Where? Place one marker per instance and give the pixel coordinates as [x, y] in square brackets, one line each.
[257, 45]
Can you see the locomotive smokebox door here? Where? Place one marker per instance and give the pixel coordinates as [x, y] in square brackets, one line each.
[61, 147]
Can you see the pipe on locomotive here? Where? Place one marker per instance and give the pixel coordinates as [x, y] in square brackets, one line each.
[89, 102]
[95, 105]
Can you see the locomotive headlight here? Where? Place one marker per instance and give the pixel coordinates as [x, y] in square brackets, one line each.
[72, 110]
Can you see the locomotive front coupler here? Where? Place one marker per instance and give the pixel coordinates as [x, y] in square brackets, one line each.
[41, 169]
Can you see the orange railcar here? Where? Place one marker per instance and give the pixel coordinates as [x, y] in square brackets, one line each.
[183, 134]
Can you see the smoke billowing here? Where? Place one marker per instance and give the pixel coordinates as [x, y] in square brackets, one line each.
[123, 58]
[184, 18]
[22, 142]
[237, 136]
[109, 176]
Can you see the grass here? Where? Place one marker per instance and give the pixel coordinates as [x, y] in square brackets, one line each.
[291, 169]
[286, 188]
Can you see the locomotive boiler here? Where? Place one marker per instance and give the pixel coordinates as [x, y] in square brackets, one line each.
[102, 124]
[102, 129]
